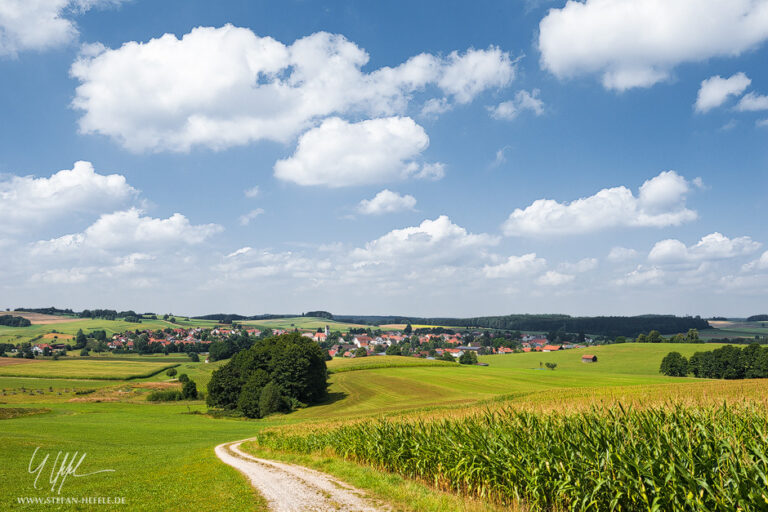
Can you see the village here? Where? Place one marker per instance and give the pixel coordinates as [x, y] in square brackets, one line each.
[368, 343]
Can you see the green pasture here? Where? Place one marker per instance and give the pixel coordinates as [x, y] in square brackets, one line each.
[302, 323]
[85, 369]
[163, 455]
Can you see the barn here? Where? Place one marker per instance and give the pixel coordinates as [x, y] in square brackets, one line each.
[588, 358]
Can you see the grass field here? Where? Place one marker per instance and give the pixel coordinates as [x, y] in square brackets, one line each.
[163, 456]
[66, 327]
[302, 322]
[733, 329]
[83, 369]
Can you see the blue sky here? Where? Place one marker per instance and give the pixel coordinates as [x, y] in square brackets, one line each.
[598, 157]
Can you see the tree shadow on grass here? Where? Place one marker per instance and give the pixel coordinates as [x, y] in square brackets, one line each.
[333, 398]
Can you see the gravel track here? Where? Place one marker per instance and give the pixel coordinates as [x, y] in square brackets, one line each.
[292, 488]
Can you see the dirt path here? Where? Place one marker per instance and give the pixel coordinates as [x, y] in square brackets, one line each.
[291, 488]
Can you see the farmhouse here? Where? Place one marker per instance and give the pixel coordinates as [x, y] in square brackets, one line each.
[551, 348]
[588, 358]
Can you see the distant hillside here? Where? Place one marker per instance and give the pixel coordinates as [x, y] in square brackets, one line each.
[758, 318]
[629, 326]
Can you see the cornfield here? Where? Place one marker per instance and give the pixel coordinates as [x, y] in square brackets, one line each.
[656, 459]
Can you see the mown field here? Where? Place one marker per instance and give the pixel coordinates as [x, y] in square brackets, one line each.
[163, 455]
[82, 369]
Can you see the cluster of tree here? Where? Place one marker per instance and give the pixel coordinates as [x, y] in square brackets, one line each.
[758, 318]
[278, 373]
[319, 314]
[228, 318]
[14, 321]
[47, 311]
[110, 314]
[692, 336]
[468, 357]
[224, 349]
[728, 362]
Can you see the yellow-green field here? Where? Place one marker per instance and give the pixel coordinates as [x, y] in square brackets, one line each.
[163, 455]
[82, 369]
[303, 322]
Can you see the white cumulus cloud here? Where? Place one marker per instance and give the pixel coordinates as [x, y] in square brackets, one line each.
[516, 266]
[26, 200]
[711, 247]
[715, 90]
[41, 24]
[432, 240]
[386, 201]
[659, 203]
[759, 264]
[339, 154]
[130, 228]
[752, 102]
[554, 278]
[638, 43]
[222, 87]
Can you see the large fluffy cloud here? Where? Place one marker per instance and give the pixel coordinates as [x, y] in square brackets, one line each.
[715, 90]
[220, 87]
[711, 247]
[26, 200]
[40, 24]
[638, 43]
[660, 202]
[339, 154]
[130, 229]
[438, 240]
[386, 201]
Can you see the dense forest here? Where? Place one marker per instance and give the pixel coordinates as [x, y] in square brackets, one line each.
[613, 326]
[14, 321]
[758, 318]
[47, 311]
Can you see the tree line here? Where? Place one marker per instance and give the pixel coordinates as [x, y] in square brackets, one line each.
[727, 362]
[14, 321]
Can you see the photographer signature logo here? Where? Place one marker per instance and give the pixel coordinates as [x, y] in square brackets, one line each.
[64, 466]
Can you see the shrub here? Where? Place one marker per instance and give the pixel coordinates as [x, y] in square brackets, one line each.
[84, 352]
[165, 396]
[189, 390]
[674, 365]
[183, 377]
[171, 372]
[194, 357]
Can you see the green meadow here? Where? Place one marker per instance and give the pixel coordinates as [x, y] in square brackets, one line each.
[83, 369]
[302, 323]
[163, 455]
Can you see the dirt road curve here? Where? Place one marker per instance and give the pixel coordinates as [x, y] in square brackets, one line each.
[291, 488]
